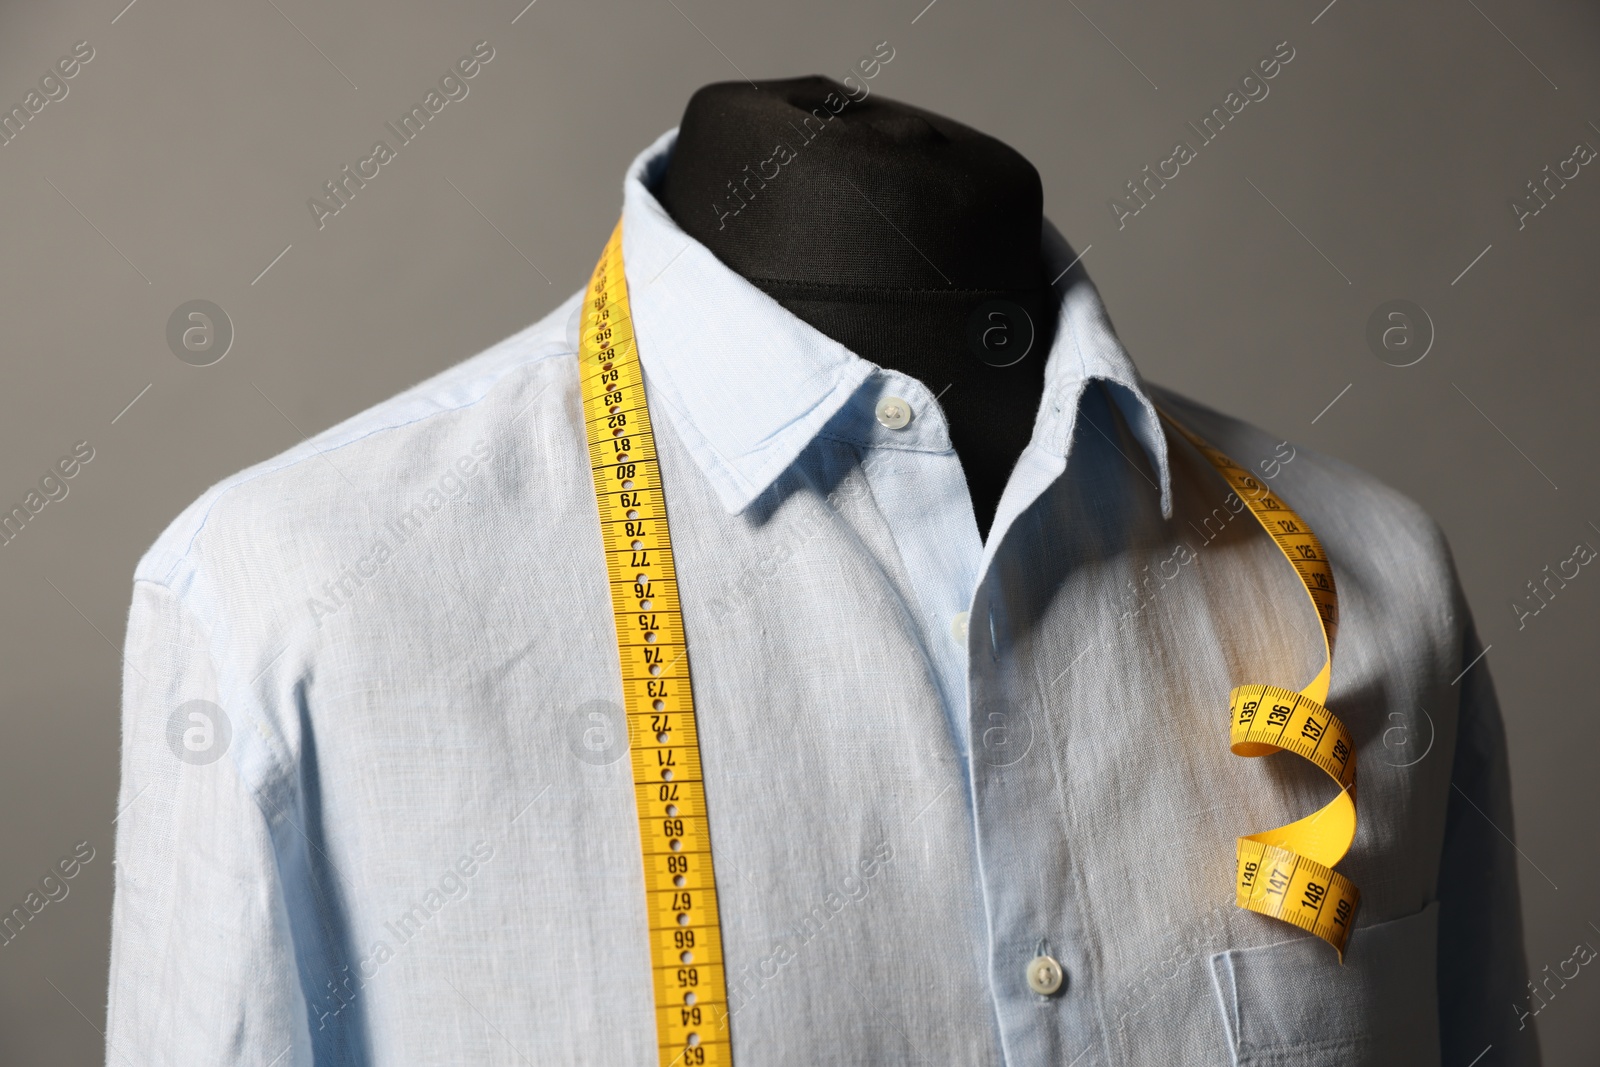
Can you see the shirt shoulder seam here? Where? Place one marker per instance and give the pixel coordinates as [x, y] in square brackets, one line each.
[295, 457]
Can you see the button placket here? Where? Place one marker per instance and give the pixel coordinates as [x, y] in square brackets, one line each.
[919, 487]
[1019, 842]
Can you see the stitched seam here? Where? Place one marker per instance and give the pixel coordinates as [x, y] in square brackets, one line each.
[886, 447]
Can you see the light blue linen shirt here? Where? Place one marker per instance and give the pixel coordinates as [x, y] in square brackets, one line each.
[374, 808]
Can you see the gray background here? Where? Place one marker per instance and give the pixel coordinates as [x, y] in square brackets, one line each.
[1379, 167]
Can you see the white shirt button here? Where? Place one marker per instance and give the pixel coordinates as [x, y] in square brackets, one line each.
[958, 627]
[1044, 975]
[893, 412]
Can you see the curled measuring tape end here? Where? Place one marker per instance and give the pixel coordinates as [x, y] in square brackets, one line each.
[1282, 884]
[1287, 873]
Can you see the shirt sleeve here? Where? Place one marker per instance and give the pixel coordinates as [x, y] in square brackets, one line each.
[202, 959]
[1483, 972]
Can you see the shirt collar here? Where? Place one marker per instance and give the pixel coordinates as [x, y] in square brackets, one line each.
[749, 385]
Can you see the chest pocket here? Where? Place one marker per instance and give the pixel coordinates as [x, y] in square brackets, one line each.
[1291, 1004]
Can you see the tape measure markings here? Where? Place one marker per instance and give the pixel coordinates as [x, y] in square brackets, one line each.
[688, 977]
[1298, 858]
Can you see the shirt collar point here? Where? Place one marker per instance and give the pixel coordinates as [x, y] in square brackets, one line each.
[1085, 325]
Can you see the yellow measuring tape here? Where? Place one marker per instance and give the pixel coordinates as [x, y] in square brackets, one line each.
[1288, 873]
[663, 745]
[1284, 873]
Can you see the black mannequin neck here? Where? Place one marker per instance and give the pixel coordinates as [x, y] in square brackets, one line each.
[887, 228]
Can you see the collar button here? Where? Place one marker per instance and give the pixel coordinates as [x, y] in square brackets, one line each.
[893, 412]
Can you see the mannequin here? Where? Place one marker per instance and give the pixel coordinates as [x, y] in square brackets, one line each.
[909, 238]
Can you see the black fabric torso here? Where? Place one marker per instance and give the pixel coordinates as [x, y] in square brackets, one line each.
[890, 229]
